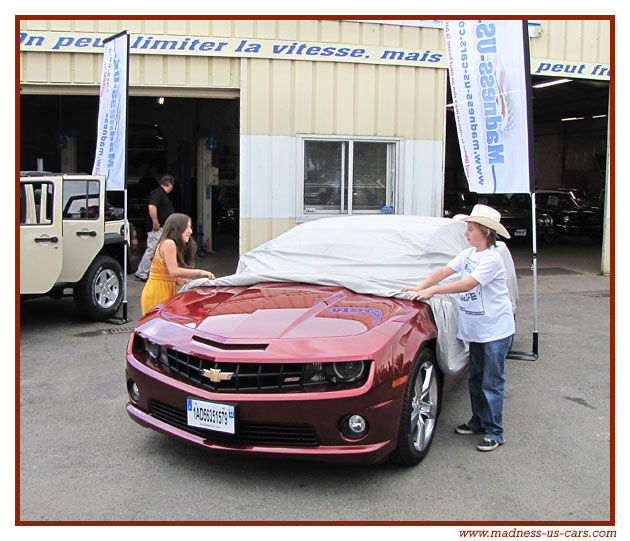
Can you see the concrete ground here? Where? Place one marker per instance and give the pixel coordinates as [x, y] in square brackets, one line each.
[81, 458]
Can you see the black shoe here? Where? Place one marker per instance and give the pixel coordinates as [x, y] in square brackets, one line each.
[465, 429]
[140, 278]
[488, 444]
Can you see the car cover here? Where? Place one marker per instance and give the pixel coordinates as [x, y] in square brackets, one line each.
[375, 255]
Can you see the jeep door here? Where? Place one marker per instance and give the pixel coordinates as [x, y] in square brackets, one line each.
[83, 224]
[41, 239]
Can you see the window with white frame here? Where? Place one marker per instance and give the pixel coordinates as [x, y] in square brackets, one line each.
[348, 176]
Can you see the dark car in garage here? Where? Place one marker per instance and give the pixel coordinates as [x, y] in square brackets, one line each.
[515, 211]
[226, 208]
[570, 214]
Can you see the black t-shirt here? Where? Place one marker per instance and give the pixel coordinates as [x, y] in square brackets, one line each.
[159, 198]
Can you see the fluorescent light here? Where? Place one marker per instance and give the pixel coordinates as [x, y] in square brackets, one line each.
[551, 83]
[572, 118]
[599, 116]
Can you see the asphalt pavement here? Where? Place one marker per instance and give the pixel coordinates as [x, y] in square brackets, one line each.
[82, 459]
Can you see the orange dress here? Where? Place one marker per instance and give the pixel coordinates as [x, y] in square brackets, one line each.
[160, 285]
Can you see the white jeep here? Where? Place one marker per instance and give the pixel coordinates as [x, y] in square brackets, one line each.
[70, 238]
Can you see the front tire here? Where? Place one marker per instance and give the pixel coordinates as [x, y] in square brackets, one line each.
[99, 293]
[550, 236]
[420, 411]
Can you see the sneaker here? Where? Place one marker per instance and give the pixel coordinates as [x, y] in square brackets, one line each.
[465, 429]
[488, 444]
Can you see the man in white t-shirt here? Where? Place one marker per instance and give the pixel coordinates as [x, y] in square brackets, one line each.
[486, 320]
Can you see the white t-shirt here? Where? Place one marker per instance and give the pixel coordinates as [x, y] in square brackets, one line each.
[485, 312]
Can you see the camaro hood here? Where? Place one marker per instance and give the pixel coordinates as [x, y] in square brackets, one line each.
[273, 311]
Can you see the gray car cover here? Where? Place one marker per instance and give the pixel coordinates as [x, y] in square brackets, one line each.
[369, 254]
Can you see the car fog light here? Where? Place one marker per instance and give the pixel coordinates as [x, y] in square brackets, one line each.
[134, 390]
[353, 426]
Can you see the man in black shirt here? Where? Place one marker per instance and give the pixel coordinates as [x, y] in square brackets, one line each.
[160, 208]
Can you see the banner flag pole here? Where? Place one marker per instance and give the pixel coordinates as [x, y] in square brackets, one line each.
[111, 151]
[533, 355]
[489, 73]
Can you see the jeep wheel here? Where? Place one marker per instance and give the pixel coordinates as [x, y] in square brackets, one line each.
[99, 293]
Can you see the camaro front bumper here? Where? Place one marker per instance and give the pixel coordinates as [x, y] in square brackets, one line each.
[355, 454]
[302, 425]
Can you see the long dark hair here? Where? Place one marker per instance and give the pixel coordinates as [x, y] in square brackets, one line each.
[173, 229]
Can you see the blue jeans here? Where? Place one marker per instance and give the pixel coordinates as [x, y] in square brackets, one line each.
[485, 385]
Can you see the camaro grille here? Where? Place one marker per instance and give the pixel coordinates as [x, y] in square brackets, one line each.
[271, 434]
[243, 377]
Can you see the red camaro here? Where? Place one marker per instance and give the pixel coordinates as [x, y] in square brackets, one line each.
[294, 369]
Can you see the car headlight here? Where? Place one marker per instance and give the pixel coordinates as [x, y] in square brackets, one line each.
[156, 352]
[346, 372]
[153, 350]
[341, 372]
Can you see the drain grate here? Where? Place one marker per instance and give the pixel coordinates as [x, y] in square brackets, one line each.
[101, 332]
[600, 293]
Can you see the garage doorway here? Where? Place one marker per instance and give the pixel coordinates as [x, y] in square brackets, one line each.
[570, 134]
[163, 137]
[570, 146]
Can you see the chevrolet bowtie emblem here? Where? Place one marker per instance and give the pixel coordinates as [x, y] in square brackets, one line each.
[215, 375]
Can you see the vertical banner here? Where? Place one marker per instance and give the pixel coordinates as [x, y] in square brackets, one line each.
[490, 85]
[110, 158]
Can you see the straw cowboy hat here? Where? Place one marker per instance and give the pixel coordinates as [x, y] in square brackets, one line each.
[486, 216]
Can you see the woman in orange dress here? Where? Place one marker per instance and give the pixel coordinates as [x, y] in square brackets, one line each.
[172, 263]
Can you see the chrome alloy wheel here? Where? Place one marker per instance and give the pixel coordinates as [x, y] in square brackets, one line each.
[424, 406]
[106, 288]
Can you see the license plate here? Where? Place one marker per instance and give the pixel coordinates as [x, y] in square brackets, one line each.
[210, 415]
[520, 233]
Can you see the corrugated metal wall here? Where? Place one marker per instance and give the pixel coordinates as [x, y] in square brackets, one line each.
[283, 98]
[78, 73]
[583, 40]
[57, 68]
[573, 40]
[278, 97]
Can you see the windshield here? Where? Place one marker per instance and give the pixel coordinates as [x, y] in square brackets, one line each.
[563, 201]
